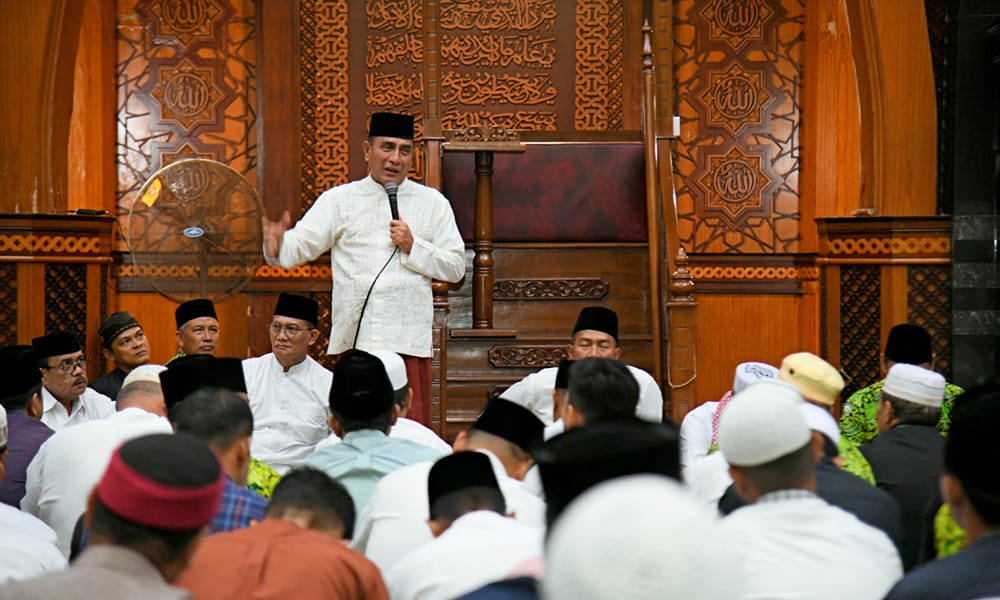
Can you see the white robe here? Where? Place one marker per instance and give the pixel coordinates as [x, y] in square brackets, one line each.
[795, 545]
[71, 462]
[27, 546]
[394, 521]
[480, 547]
[90, 406]
[352, 222]
[534, 392]
[290, 409]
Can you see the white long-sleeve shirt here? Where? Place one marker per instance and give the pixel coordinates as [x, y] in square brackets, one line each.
[534, 392]
[794, 545]
[352, 221]
[480, 547]
[70, 463]
[290, 409]
[90, 406]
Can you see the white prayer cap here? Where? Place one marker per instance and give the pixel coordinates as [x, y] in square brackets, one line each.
[914, 384]
[749, 372]
[819, 419]
[144, 373]
[3, 428]
[395, 368]
[763, 423]
[640, 537]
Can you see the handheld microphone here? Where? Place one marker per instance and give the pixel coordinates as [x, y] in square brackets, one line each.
[390, 189]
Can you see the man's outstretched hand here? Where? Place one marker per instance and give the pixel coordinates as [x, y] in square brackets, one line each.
[274, 231]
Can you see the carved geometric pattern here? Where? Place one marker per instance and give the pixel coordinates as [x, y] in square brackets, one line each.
[860, 324]
[735, 99]
[550, 289]
[737, 22]
[105, 290]
[755, 273]
[324, 83]
[50, 243]
[526, 356]
[318, 350]
[484, 132]
[928, 300]
[8, 304]
[66, 299]
[599, 66]
[736, 184]
[320, 272]
[186, 83]
[907, 246]
[738, 74]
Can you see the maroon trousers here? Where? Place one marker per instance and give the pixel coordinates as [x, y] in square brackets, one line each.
[418, 373]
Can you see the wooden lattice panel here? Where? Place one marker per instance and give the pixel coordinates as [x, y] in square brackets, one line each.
[860, 323]
[929, 305]
[738, 72]
[55, 244]
[66, 299]
[8, 304]
[186, 84]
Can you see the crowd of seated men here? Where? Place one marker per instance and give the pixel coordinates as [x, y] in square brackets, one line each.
[272, 477]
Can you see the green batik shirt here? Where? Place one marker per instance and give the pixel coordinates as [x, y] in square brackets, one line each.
[854, 461]
[949, 537]
[262, 478]
[857, 418]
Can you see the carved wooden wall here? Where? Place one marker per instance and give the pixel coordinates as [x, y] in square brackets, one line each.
[282, 90]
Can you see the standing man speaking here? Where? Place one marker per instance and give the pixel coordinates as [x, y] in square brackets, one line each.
[383, 257]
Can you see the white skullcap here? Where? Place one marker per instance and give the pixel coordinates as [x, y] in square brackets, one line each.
[638, 537]
[395, 368]
[144, 373]
[914, 384]
[749, 372]
[763, 423]
[819, 419]
[3, 427]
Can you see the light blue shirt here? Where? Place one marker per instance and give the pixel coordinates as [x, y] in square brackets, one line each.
[364, 456]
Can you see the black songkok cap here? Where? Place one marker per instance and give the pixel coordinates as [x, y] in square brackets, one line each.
[562, 375]
[512, 422]
[18, 370]
[55, 344]
[580, 458]
[192, 309]
[908, 344]
[597, 318]
[115, 325]
[297, 307]
[460, 471]
[188, 374]
[361, 390]
[394, 125]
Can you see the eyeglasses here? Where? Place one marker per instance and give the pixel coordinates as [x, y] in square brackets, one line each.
[68, 366]
[290, 330]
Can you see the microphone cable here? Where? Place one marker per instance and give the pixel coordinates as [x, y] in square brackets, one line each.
[390, 189]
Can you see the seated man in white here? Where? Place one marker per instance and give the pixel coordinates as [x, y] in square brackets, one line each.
[791, 542]
[66, 399]
[475, 541]
[700, 427]
[27, 546]
[594, 335]
[395, 520]
[287, 389]
[402, 427]
[71, 462]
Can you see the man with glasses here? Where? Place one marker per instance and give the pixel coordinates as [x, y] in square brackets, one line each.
[66, 399]
[288, 390]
